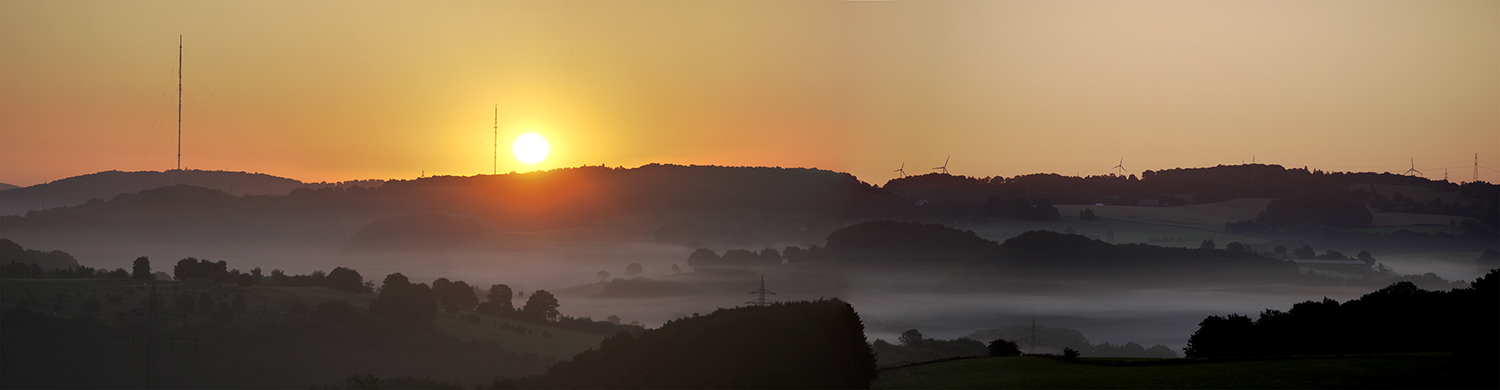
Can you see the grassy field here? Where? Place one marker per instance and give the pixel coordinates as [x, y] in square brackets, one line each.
[65, 297]
[1375, 371]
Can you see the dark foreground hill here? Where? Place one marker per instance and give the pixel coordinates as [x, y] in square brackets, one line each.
[805, 345]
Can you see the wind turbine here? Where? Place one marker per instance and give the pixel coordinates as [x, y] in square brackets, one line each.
[902, 169]
[944, 168]
[1121, 166]
[1414, 169]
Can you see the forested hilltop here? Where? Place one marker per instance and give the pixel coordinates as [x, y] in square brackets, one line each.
[549, 199]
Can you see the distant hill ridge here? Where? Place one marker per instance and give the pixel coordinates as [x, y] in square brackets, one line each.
[1168, 187]
[544, 199]
[106, 185]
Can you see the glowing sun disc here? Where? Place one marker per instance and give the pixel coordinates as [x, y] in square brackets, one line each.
[530, 148]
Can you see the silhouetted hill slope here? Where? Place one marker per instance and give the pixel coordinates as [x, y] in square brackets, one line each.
[1041, 253]
[1399, 318]
[562, 197]
[1170, 186]
[905, 241]
[7, 186]
[804, 345]
[412, 232]
[13, 252]
[105, 185]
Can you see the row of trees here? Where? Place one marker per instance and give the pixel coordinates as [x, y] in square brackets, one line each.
[914, 347]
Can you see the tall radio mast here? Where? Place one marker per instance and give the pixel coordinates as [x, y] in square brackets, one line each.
[179, 102]
[495, 156]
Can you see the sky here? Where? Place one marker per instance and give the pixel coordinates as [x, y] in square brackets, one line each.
[337, 90]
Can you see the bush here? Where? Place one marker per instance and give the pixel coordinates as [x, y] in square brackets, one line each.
[1003, 347]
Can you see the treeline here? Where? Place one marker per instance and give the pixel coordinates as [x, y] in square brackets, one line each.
[913, 347]
[1059, 340]
[1399, 318]
[819, 344]
[1168, 187]
[266, 346]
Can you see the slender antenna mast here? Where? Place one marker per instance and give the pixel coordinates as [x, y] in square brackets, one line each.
[1476, 167]
[495, 157]
[179, 102]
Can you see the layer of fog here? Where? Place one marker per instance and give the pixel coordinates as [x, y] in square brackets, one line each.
[568, 262]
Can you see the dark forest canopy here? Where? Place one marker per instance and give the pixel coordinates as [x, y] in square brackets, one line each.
[807, 345]
[1399, 318]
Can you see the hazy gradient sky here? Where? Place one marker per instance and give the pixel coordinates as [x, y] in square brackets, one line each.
[338, 90]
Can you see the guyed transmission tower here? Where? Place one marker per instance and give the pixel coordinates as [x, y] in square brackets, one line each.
[761, 294]
[151, 311]
[1033, 333]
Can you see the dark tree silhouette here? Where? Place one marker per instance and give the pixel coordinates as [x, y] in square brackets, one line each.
[702, 257]
[404, 303]
[633, 269]
[542, 306]
[141, 269]
[345, 279]
[911, 337]
[770, 256]
[1003, 347]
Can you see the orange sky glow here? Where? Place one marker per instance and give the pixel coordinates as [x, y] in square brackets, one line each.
[332, 91]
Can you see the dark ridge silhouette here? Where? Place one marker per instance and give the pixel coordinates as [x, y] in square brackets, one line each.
[11, 252]
[106, 185]
[412, 233]
[537, 200]
[914, 244]
[7, 186]
[887, 241]
[805, 345]
[1171, 186]
[1399, 318]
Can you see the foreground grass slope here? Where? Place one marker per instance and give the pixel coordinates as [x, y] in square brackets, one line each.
[1029, 372]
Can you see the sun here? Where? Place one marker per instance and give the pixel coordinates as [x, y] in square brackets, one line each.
[531, 148]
